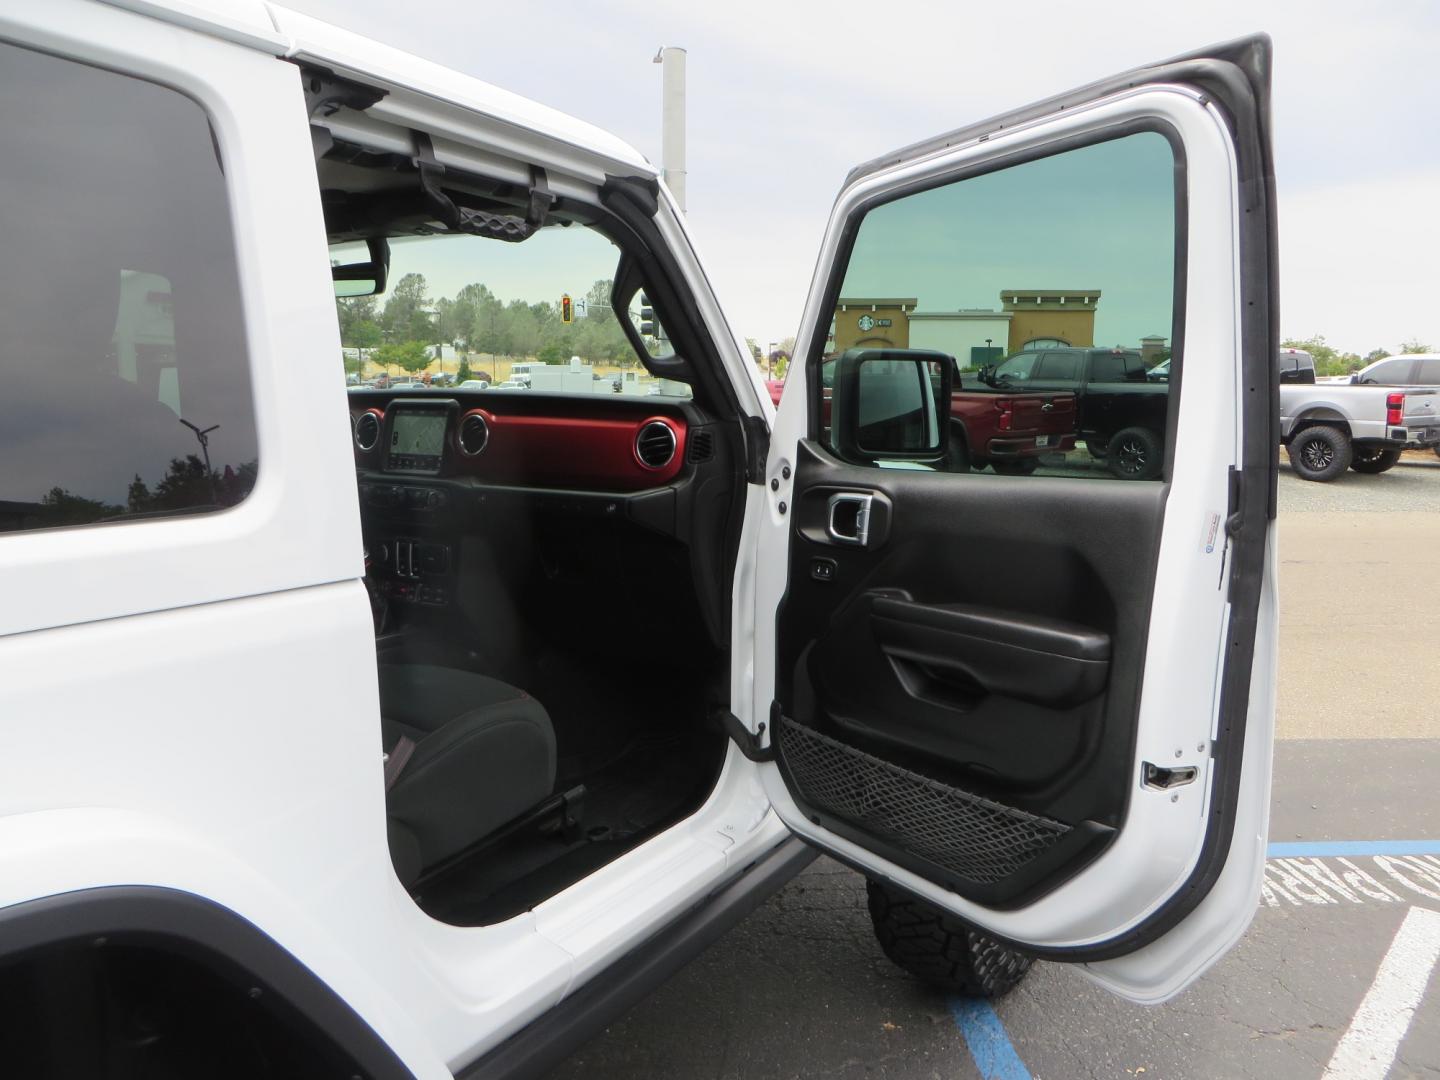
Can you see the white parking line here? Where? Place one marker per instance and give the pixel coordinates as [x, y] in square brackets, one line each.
[1382, 879]
[1370, 1043]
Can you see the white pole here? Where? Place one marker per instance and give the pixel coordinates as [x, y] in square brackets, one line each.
[672, 119]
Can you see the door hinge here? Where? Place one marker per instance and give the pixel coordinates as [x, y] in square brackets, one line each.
[747, 740]
[1235, 512]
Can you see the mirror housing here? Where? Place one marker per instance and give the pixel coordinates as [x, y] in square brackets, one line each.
[891, 405]
[364, 278]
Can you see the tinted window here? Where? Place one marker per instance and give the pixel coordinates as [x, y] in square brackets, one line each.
[121, 340]
[1394, 372]
[1107, 368]
[1429, 373]
[1051, 260]
[1060, 366]
[1019, 367]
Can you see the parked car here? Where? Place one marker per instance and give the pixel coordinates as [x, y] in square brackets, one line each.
[1328, 427]
[474, 384]
[1119, 412]
[1008, 428]
[297, 817]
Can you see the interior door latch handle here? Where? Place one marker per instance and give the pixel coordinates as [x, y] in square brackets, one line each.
[849, 518]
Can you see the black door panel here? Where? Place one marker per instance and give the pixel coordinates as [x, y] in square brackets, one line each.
[983, 649]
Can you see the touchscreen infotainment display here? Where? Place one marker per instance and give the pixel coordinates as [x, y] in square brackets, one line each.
[417, 441]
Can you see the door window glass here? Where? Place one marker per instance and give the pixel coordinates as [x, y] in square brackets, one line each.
[1429, 372]
[1060, 367]
[122, 346]
[1044, 262]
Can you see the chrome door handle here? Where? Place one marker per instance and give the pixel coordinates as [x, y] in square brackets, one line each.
[848, 521]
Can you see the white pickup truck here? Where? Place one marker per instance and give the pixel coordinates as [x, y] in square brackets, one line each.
[1326, 427]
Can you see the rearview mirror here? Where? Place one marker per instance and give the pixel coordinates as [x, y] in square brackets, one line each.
[363, 278]
[891, 405]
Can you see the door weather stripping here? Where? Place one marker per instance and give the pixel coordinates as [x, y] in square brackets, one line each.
[1159, 778]
[464, 219]
[743, 737]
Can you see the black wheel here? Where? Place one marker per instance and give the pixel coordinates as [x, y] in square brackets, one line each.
[1097, 449]
[1319, 453]
[1373, 459]
[1016, 466]
[1134, 453]
[939, 949]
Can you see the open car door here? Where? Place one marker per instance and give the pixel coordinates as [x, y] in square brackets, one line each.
[1040, 694]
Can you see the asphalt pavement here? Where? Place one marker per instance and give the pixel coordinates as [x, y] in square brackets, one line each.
[1347, 926]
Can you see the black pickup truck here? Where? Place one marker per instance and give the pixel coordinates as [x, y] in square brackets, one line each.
[1120, 412]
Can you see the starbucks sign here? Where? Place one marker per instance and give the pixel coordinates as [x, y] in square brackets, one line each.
[866, 323]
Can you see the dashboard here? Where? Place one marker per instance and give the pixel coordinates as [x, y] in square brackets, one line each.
[436, 469]
[543, 441]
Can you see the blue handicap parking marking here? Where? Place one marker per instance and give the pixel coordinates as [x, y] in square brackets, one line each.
[1331, 848]
[986, 1039]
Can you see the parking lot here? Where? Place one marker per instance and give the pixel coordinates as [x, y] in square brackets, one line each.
[1346, 930]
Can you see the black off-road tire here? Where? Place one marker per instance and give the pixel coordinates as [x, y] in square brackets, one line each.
[939, 949]
[1135, 453]
[1319, 453]
[1374, 459]
[1015, 466]
[1097, 450]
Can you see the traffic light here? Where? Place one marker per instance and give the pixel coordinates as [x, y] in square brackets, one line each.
[647, 318]
[567, 309]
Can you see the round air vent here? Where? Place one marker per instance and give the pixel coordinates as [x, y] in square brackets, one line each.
[474, 434]
[655, 444]
[367, 432]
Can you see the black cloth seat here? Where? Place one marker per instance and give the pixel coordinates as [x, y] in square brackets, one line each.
[484, 754]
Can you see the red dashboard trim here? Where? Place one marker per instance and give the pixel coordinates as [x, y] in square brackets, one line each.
[570, 451]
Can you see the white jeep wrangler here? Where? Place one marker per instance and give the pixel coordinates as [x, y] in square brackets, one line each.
[417, 733]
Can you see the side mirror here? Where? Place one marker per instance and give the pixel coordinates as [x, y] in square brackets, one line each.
[364, 278]
[891, 405]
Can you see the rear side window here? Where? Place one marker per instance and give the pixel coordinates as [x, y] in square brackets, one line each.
[1429, 374]
[1060, 366]
[122, 349]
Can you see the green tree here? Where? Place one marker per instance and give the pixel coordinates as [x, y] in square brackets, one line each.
[1328, 360]
[365, 334]
[63, 507]
[405, 317]
[462, 373]
[407, 355]
[597, 302]
[351, 311]
[1415, 345]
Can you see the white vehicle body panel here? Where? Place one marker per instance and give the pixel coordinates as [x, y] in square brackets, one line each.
[221, 736]
[232, 749]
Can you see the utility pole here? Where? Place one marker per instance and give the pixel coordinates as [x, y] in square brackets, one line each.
[672, 119]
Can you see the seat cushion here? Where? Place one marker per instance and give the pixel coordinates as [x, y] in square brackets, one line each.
[484, 754]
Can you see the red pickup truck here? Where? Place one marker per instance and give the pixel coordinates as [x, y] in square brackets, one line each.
[1006, 429]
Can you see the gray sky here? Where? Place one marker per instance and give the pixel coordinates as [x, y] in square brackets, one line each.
[784, 98]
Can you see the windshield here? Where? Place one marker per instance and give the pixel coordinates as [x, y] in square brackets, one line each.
[1016, 369]
[528, 316]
